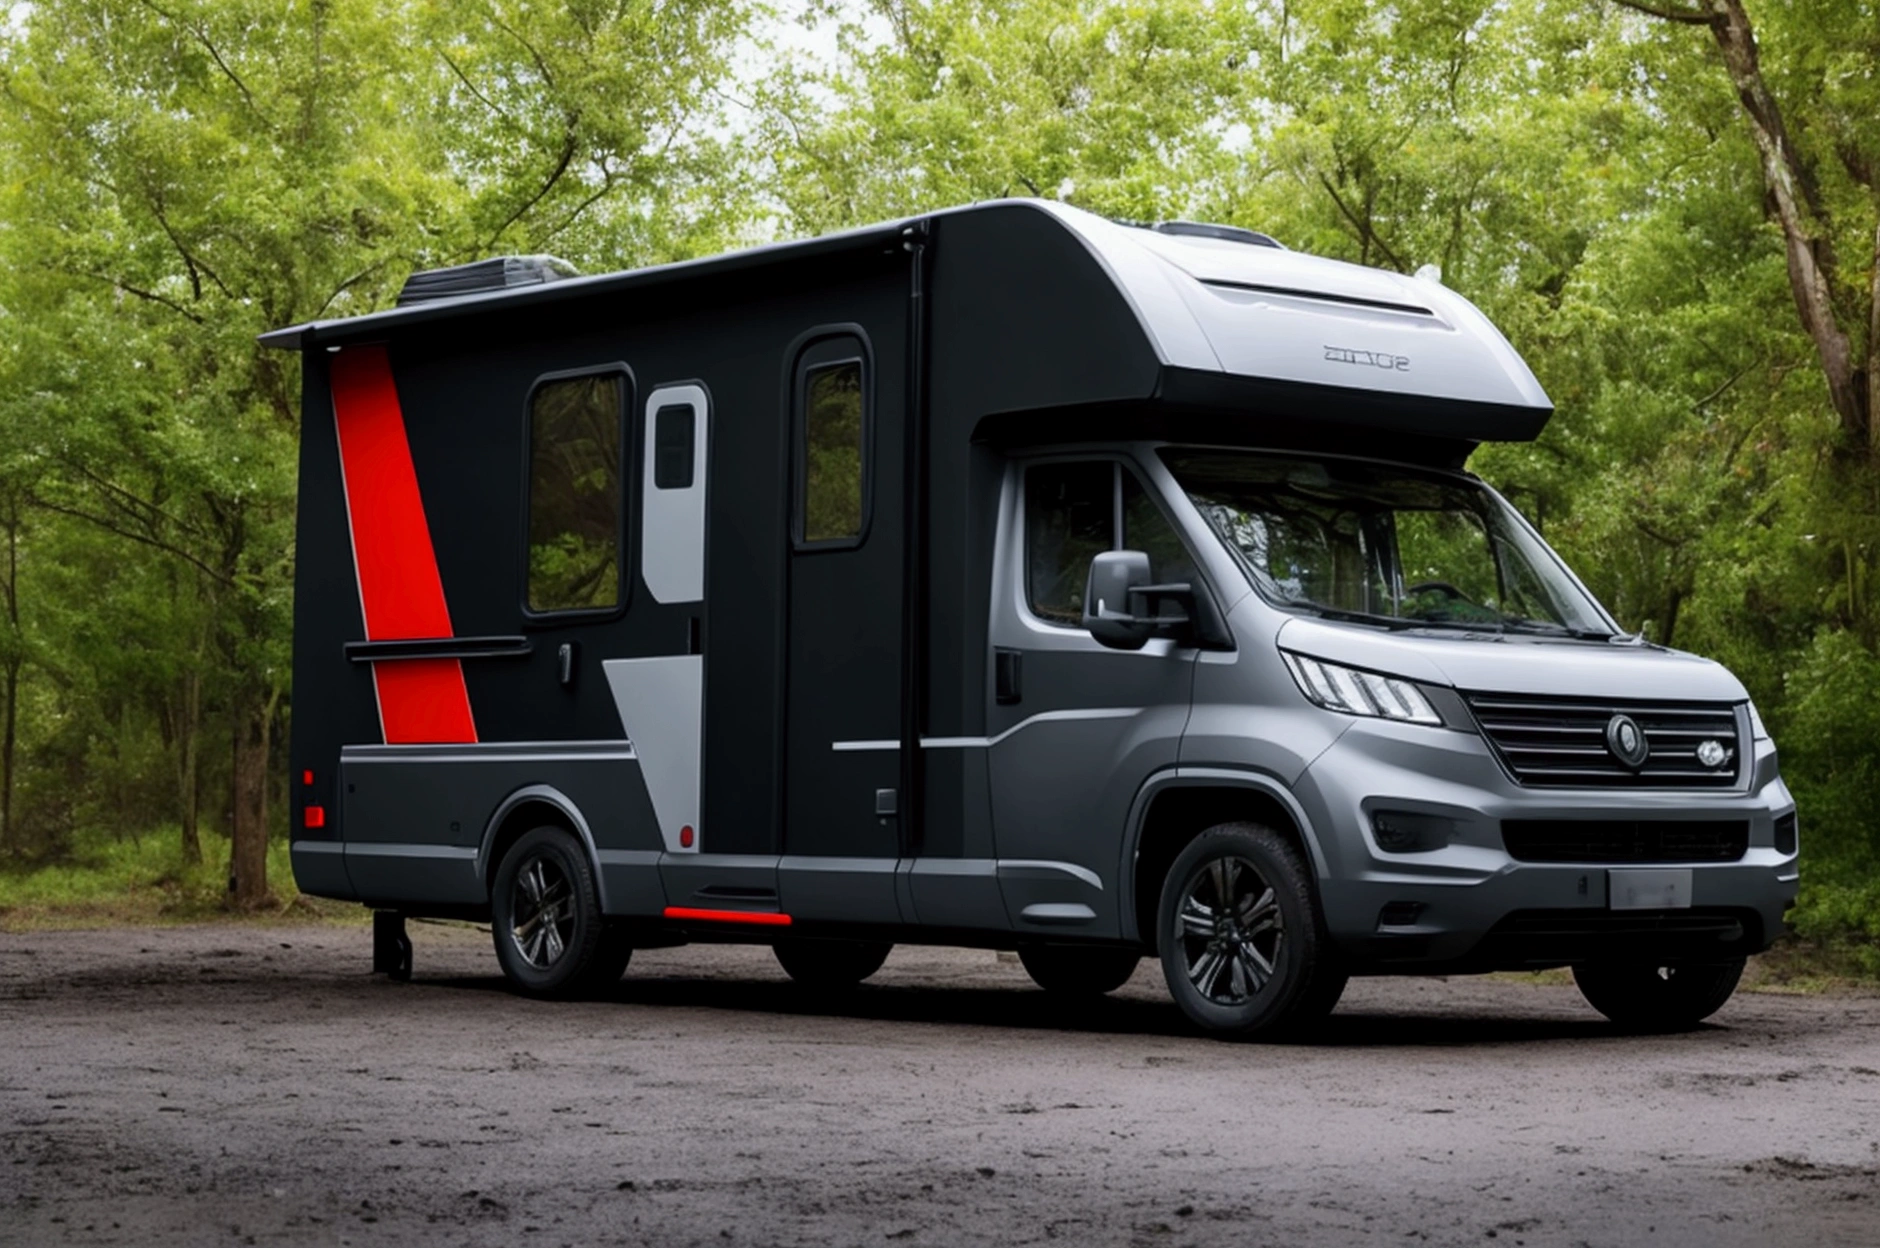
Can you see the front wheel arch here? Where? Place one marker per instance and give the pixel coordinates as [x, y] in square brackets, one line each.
[1174, 807]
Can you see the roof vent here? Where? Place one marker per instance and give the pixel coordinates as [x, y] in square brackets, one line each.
[482, 276]
[1226, 233]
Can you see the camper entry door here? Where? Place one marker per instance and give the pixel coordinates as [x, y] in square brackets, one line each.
[843, 690]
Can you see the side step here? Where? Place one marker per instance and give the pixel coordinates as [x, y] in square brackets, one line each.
[391, 947]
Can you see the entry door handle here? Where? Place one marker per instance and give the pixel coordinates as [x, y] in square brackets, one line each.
[1008, 674]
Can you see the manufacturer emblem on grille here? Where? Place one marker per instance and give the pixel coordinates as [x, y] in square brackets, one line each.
[1627, 741]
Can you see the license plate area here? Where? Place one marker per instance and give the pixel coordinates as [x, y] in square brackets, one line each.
[1649, 888]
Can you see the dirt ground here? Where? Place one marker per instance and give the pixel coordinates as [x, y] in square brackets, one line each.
[255, 1085]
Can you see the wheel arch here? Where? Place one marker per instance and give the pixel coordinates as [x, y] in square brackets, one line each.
[1175, 806]
[534, 806]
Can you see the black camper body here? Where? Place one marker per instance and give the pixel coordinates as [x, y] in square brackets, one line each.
[774, 709]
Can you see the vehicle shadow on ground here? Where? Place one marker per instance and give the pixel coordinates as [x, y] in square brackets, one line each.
[1029, 1009]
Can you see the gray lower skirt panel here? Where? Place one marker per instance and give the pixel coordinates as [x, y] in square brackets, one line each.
[418, 822]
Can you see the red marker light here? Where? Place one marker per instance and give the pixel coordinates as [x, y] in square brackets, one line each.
[760, 918]
[306, 778]
[685, 837]
[315, 816]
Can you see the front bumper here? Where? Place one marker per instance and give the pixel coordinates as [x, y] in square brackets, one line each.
[1472, 905]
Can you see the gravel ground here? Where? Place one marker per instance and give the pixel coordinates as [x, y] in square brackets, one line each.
[255, 1085]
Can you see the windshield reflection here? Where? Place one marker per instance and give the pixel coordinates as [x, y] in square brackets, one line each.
[1384, 544]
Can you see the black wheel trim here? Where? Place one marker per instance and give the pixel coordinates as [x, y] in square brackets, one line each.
[1231, 931]
[542, 912]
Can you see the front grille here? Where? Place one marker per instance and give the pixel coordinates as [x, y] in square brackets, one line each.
[1561, 742]
[1625, 840]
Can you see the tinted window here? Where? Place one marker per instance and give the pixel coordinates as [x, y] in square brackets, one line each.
[1075, 511]
[672, 447]
[574, 494]
[831, 504]
[1070, 515]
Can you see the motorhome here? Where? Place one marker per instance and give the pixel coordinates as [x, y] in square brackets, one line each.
[1005, 577]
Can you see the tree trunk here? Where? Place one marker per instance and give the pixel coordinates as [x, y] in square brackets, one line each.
[1806, 234]
[248, 853]
[16, 659]
[9, 749]
[188, 767]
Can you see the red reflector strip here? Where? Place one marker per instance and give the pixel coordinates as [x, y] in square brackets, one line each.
[762, 918]
[401, 595]
[315, 817]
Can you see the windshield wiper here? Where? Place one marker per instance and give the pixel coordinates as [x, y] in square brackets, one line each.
[1547, 628]
[1400, 623]
[1356, 617]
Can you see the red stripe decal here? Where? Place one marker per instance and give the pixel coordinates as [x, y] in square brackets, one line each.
[762, 918]
[400, 592]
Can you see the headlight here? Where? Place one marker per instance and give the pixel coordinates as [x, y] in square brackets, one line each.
[1354, 692]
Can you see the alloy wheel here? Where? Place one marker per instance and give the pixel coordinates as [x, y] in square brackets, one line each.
[1231, 931]
[542, 906]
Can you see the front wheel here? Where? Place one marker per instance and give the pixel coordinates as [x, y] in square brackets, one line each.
[830, 965]
[546, 919]
[1073, 971]
[1242, 943]
[1643, 997]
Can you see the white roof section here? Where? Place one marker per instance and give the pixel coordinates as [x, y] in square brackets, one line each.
[1241, 308]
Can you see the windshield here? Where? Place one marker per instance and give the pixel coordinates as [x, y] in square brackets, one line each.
[1384, 544]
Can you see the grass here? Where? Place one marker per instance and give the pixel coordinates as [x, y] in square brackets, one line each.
[107, 881]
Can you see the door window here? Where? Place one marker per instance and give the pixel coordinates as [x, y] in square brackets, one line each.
[1075, 511]
[575, 493]
[832, 452]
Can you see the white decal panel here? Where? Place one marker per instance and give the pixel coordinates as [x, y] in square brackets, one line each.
[660, 702]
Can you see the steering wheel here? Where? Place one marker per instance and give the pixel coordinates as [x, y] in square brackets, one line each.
[1441, 587]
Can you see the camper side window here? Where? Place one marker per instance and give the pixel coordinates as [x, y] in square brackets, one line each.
[575, 493]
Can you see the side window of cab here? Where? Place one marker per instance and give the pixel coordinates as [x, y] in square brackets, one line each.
[1075, 511]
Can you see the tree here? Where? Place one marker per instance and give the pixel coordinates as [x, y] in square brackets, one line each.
[183, 175]
[1836, 311]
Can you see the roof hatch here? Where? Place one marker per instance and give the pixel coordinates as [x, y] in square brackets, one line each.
[481, 276]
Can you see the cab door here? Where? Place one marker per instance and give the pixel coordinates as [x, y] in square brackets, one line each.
[1075, 727]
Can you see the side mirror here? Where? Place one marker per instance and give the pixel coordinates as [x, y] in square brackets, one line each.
[1111, 597]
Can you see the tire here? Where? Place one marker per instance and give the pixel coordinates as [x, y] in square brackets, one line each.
[1079, 971]
[1256, 963]
[831, 965]
[573, 951]
[1645, 998]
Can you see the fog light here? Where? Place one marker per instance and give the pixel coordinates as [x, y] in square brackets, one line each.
[1400, 914]
[1404, 832]
[1785, 833]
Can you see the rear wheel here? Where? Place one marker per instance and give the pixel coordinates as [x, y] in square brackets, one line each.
[831, 964]
[551, 938]
[1643, 997]
[1078, 971]
[1243, 946]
